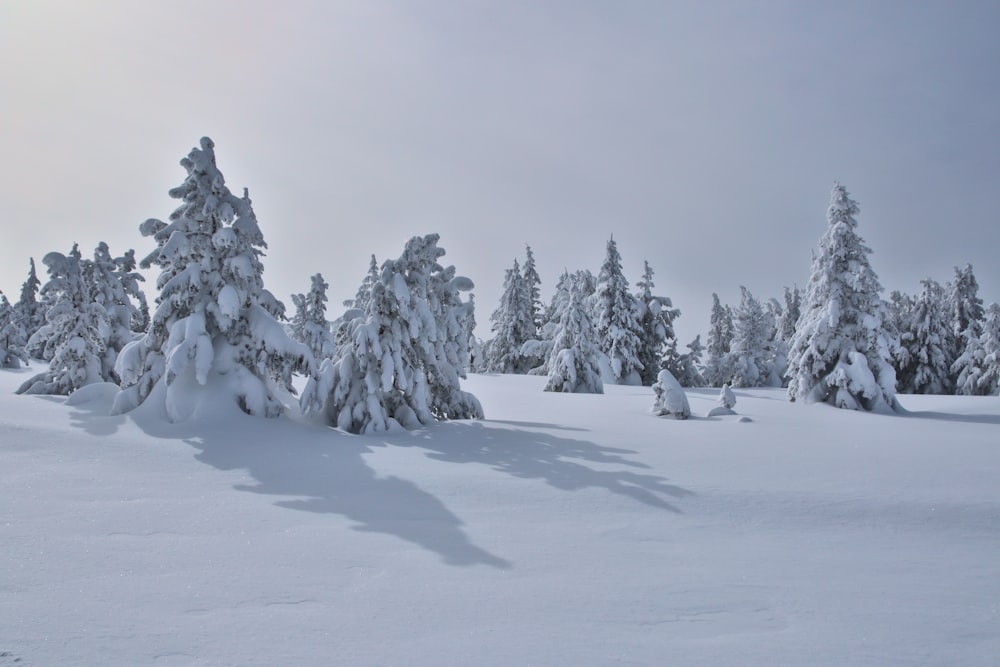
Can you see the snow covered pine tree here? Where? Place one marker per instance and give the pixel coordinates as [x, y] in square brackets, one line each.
[404, 356]
[214, 333]
[841, 351]
[616, 319]
[76, 325]
[575, 360]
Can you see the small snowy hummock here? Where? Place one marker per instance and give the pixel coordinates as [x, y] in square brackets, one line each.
[727, 401]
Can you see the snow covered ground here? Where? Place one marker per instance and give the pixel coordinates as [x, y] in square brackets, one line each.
[563, 530]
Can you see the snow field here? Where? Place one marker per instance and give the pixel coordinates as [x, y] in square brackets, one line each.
[564, 529]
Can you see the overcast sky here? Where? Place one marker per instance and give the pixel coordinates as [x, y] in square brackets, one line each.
[705, 135]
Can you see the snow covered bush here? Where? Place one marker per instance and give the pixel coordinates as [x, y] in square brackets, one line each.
[214, 332]
[671, 401]
[405, 353]
[575, 365]
[727, 401]
[843, 345]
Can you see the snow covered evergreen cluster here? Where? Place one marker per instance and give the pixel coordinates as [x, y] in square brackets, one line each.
[406, 350]
[94, 309]
[397, 353]
[593, 331]
[215, 337]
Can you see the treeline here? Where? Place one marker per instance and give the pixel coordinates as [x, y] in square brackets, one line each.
[397, 353]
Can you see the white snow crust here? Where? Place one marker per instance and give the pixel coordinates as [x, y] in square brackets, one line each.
[566, 529]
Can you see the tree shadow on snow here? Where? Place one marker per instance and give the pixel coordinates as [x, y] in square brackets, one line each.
[952, 417]
[557, 461]
[322, 470]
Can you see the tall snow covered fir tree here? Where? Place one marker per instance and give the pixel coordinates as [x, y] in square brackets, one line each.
[73, 337]
[28, 310]
[716, 370]
[965, 311]
[12, 336]
[116, 289]
[841, 352]
[750, 360]
[513, 325]
[533, 282]
[977, 370]
[925, 367]
[575, 360]
[364, 293]
[310, 325]
[615, 317]
[405, 355]
[989, 379]
[657, 340]
[214, 332]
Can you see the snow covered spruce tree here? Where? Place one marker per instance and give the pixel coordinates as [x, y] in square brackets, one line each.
[977, 370]
[12, 336]
[404, 359]
[214, 333]
[513, 324]
[657, 340]
[74, 336]
[615, 317]
[720, 338]
[989, 379]
[575, 365]
[540, 349]
[843, 346]
[926, 366]
[28, 310]
[789, 314]
[750, 360]
[310, 325]
[115, 284]
[533, 282]
[965, 311]
[364, 293]
[687, 367]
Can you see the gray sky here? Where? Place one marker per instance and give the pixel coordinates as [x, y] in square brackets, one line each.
[705, 135]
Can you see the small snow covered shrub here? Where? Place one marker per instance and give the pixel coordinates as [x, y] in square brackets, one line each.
[671, 401]
[727, 401]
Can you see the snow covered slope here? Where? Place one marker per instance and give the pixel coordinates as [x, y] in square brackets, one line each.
[566, 529]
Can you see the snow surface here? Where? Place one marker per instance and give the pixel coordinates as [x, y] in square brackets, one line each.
[566, 529]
